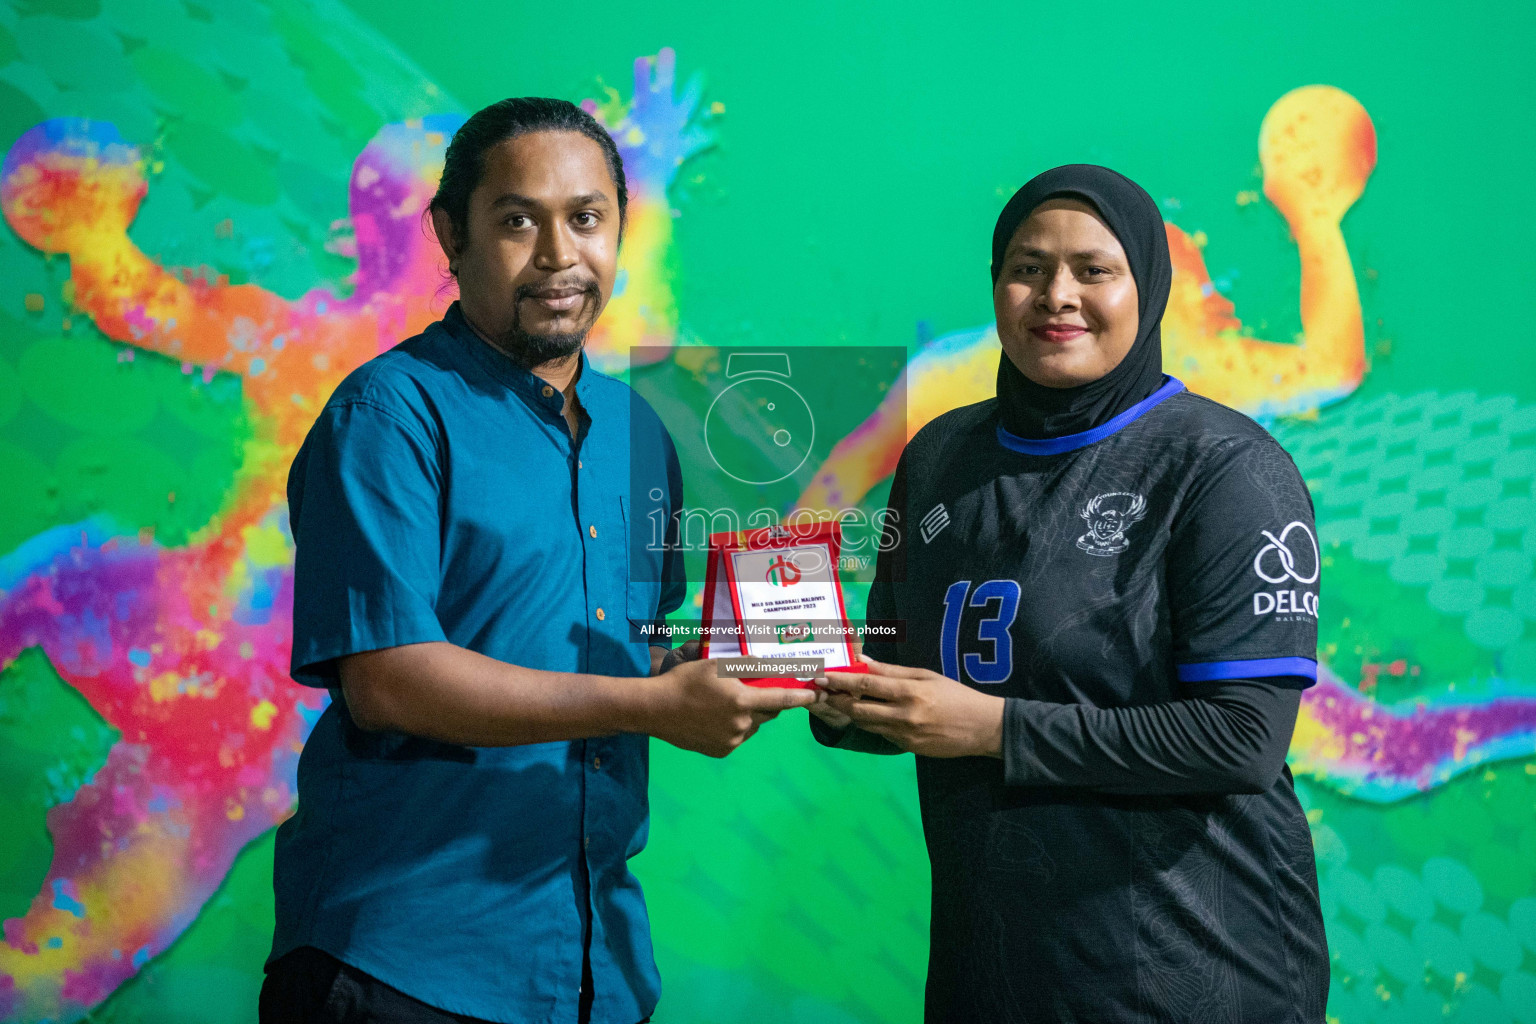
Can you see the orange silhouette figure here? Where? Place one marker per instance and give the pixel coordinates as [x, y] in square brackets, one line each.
[1317, 146]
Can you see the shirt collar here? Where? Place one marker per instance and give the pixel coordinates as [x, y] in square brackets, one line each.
[529, 387]
[1072, 442]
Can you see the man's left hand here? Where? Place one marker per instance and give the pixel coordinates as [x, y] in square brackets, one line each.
[919, 710]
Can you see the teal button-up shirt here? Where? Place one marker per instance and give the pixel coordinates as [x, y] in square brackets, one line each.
[440, 496]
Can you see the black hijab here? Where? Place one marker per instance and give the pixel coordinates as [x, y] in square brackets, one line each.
[1034, 411]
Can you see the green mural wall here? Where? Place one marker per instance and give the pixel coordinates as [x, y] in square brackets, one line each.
[208, 213]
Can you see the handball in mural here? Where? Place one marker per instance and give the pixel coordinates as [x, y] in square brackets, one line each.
[184, 650]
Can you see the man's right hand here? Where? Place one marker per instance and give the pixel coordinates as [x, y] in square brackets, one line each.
[824, 710]
[698, 709]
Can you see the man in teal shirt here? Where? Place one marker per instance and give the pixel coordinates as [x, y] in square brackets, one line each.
[466, 589]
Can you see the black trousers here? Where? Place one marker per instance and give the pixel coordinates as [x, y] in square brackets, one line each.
[309, 986]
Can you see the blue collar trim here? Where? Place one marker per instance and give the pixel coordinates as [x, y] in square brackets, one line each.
[1072, 442]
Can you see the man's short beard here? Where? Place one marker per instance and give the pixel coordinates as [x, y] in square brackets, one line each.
[530, 350]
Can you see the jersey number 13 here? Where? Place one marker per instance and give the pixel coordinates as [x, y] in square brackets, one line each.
[993, 629]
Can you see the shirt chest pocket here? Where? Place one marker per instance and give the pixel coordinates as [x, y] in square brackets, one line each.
[639, 565]
[508, 519]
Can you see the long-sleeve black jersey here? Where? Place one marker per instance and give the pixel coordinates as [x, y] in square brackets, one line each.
[1144, 596]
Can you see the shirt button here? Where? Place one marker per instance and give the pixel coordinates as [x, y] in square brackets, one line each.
[586, 841]
[592, 530]
[597, 762]
[578, 463]
[549, 392]
[601, 615]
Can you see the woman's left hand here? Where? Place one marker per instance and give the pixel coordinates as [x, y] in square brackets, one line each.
[919, 710]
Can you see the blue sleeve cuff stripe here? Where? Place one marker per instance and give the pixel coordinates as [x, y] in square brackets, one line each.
[1206, 671]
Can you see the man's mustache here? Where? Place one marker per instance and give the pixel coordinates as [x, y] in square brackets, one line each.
[543, 288]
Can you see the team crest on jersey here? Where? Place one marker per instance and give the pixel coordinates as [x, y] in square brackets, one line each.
[1109, 516]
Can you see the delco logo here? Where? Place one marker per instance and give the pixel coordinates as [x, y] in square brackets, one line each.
[1293, 556]
[1283, 602]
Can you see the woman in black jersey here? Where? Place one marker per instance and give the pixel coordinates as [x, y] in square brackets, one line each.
[1107, 631]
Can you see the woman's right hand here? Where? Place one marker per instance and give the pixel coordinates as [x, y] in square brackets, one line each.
[823, 708]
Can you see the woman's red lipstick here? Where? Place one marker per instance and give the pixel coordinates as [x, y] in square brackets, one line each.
[1058, 332]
